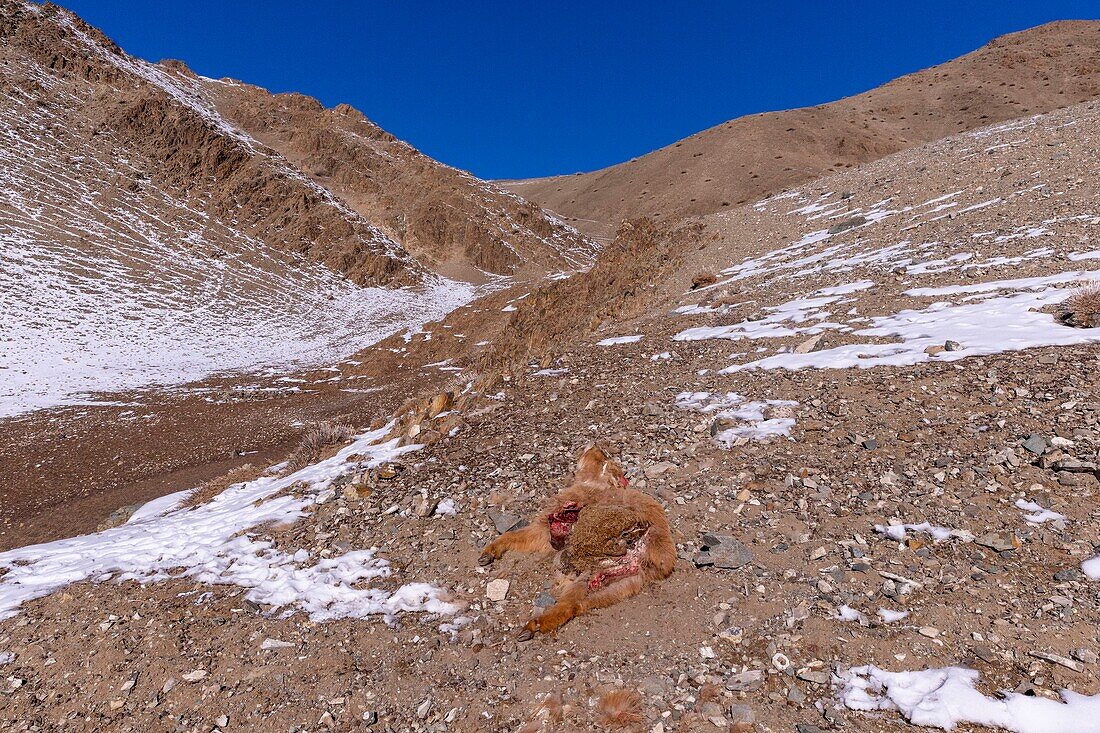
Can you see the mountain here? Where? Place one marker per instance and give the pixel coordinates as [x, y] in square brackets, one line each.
[1025, 73]
[158, 226]
[861, 394]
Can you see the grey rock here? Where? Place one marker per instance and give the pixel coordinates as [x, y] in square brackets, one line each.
[1067, 575]
[815, 676]
[657, 469]
[806, 728]
[984, 653]
[843, 226]
[544, 600]
[952, 346]
[999, 541]
[1074, 465]
[1036, 444]
[504, 521]
[722, 551]
[740, 715]
[748, 680]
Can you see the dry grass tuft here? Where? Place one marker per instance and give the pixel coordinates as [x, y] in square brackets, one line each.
[620, 708]
[703, 279]
[316, 440]
[1082, 309]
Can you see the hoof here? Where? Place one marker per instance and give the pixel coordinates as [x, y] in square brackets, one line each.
[525, 635]
[485, 559]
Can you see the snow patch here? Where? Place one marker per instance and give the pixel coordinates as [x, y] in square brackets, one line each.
[900, 531]
[733, 407]
[1091, 568]
[212, 543]
[616, 340]
[889, 617]
[1038, 513]
[991, 325]
[943, 698]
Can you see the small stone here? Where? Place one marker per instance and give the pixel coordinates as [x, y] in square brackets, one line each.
[503, 521]
[221, 721]
[806, 728]
[1084, 654]
[843, 226]
[544, 600]
[269, 644]
[423, 708]
[950, 345]
[1036, 444]
[1073, 465]
[741, 715]
[809, 344]
[930, 631]
[870, 444]
[197, 675]
[657, 469]
[743, 681]
[796, 696]
[1059, 660]
[117, 704]
[497, 590]
[1067, 574]
[723, 551]
[999, 541]
[815, 676]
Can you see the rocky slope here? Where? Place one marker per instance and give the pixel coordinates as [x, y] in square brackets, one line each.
[745, 159]
[134, 191]
[861, 389]
[446, 218]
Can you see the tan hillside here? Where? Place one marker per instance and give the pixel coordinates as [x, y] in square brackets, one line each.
[1029, 72]
[445, 217]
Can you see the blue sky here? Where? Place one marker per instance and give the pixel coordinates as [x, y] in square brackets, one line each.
[523, 89]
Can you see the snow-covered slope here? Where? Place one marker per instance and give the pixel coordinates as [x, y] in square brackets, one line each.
[146, 239]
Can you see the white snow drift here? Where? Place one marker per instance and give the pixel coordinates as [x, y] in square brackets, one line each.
[944, 698]
[212, 543]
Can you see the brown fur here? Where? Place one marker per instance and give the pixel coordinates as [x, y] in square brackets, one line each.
[620, 708]
[597, 481]
[602, 531]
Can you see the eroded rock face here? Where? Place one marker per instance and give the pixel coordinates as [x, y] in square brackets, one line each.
[326, 185]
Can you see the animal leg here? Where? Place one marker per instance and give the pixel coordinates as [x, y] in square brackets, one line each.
[611, 594]
[534, 537]
[565, 609]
